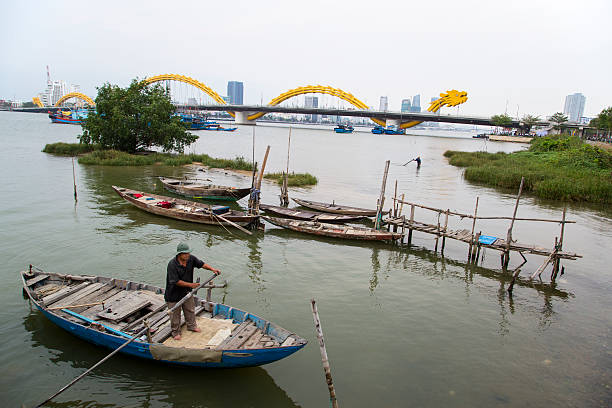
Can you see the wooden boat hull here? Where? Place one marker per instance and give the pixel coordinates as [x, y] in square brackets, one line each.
[223, 193]
[334, 231]
[200, 217]
[309, 215]
[182, 356]
[336, 209]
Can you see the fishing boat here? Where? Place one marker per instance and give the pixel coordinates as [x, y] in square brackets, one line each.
[68, 116]
[335, 231]
[394, 130]
[185, 210]
[108, 312]
[378, 130]
[216, 126]
[481, 136]
[335, 208]
[198, 189]
[303, 215]
[344, 129]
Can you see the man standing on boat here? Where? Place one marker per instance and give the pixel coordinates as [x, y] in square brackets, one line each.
[179, 282]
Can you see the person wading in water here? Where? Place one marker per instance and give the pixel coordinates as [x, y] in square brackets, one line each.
[179, 282]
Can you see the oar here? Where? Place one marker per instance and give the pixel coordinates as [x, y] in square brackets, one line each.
[408, 162]
[137, 335]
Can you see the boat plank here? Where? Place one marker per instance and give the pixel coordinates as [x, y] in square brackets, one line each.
[236, 341]
[36, 279]
[62, 293]
[124, 308]
[71, 299]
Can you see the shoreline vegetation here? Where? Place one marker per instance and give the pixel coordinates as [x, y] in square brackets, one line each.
[91, 154]
[294, 179]
[557, 167]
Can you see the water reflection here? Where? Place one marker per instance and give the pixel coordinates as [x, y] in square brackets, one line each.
[129, 381]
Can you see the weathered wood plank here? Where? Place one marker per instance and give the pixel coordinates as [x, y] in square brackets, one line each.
[120, 309]
[92, 312]
[236, 341]
[36, 279]
[99, 295]
[62, 293]
[73, 299]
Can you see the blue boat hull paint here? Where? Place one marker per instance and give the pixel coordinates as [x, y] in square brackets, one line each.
[68, 122]
[343, 131]
[229, 359]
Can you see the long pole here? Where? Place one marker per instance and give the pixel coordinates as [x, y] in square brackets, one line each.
[324, 359]
[509, 236]
[137, 335]
[381, 199]
[74, 180]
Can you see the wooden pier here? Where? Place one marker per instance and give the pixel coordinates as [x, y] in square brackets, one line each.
[406, 224]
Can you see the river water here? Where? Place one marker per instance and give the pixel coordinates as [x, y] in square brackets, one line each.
[403, 326]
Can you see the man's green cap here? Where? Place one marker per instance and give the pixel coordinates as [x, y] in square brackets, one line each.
[182, 248]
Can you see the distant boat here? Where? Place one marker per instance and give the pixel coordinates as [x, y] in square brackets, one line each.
[378, 130]
[394, 130]
[481, 136]
[69, 117]
[332, 230]
[185, 210]
[344, 129]
[336, 208]
[200, 123]
[297, 214]
[216, 126]
[197, 189]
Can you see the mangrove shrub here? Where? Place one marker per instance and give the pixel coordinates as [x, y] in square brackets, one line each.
[135, 118]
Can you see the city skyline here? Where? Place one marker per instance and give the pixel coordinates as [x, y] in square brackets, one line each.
[469, 39]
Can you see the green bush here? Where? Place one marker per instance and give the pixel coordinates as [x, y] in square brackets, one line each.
[557, 168]
[69, 149]
[294, 179]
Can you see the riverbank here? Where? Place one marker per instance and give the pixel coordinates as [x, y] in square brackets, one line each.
[556, 167]
[93, 155]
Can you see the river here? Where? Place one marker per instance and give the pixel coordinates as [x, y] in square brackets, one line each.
[403, 326]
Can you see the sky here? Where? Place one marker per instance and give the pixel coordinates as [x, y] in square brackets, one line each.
[517, 56]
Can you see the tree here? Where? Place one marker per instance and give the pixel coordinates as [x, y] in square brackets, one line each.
[501, 120]
[28, 105]
[134, 118]
[559, 119]
[529, 121]
[603, 120]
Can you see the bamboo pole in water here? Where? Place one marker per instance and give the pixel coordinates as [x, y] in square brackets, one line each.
[509, 236]
[473, 227]
[381, 199]
[74, 180]
[324, 359]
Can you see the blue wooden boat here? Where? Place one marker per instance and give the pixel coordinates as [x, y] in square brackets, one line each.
[344, 129]
[394, 130]
[108, 312]
[68, 117]
[378, 130]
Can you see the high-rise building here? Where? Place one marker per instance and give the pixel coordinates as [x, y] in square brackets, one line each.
[55, 90]
[406, 105]
[311, 102]
[574, 106]
[384, 104]
[235, 92]
[416, 103]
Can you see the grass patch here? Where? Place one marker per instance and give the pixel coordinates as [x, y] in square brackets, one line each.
[93, 155]
[294, 179]
[69, 149]
[556, 168]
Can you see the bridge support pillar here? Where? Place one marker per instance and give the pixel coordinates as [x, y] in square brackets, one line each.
[241, 118]
[393, 122]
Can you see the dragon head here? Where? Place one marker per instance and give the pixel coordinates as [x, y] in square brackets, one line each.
[450, 98]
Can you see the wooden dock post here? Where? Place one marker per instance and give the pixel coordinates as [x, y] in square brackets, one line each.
[381, 199]
[324, 359]
[411, 221]
[509, 236]
[445, 228]
[559, 247]
[473, 227]
[284, 195]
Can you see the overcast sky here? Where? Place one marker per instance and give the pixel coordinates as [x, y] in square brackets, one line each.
[528, 54]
